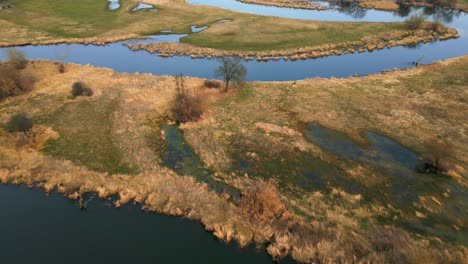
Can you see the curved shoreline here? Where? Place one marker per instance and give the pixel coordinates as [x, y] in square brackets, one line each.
[366, 4]
[290, 5]
[369, 43]
[97, 41]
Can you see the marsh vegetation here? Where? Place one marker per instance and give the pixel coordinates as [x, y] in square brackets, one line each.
[113, 143]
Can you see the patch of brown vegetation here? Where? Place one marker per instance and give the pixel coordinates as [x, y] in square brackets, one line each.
[298, 4]
[100, 41]
[14, 82]
[262, 202]
[380, 5]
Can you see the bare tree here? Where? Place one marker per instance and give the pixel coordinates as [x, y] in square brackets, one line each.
[231, 70]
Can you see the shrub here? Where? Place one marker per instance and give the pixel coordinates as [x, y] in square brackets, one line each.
[16, 58]
[435, 154]
[61, 68]
[187, 107]
[19, 123]
[262, 202]
[14, 82]
[414, 22]
[80, 89]
[212, 84]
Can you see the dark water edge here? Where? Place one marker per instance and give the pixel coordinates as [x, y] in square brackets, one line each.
[36, 227]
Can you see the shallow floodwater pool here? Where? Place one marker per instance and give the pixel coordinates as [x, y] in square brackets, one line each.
[142, 6]
[405, 184]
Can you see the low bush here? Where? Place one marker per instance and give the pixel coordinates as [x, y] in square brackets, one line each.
[187, 107]
[19, 123]
[61, 68]
[414, 22]
[14, 82]
[212, 84]
[80, 89]
[16, 58]
[435, 156]
[262, 202]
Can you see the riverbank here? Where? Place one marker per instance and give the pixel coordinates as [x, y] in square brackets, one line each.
[111, 144]
[298, 4]
[428, 33]
[385, 5]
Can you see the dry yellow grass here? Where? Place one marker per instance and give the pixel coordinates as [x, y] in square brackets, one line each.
[380, 5]
[300, 4]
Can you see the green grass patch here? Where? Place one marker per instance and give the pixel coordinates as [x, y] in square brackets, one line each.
[85, 129]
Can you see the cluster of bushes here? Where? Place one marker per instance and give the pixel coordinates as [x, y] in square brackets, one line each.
[81, 89]
[187, 107]
[14, 81]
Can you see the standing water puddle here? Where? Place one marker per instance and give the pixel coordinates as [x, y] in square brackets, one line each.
[405, 183]
[142, 6]
[114, 4]
[196, 29]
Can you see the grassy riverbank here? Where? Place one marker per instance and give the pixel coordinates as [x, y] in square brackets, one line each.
[330, 208]
[36, 21]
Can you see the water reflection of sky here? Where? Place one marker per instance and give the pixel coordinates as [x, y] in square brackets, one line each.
[340, 11]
